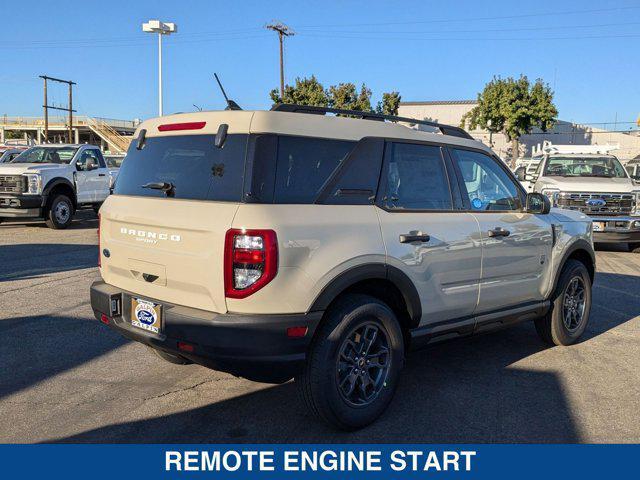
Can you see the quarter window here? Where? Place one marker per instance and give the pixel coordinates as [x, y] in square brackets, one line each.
[488, 186]
[416, 178]
[303, 166]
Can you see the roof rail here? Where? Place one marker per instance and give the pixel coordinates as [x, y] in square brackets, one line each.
[444, 129]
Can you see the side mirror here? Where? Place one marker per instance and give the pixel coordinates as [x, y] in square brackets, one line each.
[538, 203]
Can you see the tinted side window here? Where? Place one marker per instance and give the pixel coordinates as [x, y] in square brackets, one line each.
[88, 157]
[304, 164]
[356, 182]
[191, 163]
[416, 178]
[100, 159]
[488, 186]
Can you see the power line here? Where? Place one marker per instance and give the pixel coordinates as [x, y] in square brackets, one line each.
[517, 29]
[479, 39]
[473, 19]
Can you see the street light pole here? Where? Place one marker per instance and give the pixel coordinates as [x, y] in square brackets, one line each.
[159, 74]
[161, 28]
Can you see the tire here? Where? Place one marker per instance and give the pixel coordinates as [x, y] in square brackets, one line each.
[319, 384]
[634, 247]
[59, 213]
[552, 328]
[169, 357]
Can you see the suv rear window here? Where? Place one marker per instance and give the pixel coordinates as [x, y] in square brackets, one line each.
[191, 163]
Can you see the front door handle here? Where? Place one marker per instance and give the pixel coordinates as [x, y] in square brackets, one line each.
[499, 232]
[101, 174]
[414, 237]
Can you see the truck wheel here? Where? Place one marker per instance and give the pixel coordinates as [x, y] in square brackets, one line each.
[168, 357]
[569, 313]
[59, 213]
[354, 363]
[634, 247]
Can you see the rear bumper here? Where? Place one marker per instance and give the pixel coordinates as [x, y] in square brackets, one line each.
[21, 206]
[252, 346]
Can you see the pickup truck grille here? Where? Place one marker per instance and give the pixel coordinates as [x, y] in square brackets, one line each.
[597, 203]
[12, 184]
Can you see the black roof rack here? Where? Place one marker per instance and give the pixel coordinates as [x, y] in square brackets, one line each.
[444, 129]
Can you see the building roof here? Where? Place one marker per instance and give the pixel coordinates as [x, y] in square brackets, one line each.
[442, 102]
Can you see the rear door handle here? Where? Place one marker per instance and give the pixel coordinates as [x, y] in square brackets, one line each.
[414, 237]
[499, 232]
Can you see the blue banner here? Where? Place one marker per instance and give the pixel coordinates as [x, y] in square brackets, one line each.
[319, 461]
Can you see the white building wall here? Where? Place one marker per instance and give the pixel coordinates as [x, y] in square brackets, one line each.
[564, 133]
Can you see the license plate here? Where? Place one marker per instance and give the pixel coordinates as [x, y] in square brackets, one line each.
[598, 226]
[146, 315]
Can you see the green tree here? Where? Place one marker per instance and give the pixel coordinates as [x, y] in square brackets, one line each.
[389, 104]
[513, 107]
[309, 91]
[346, 96]
[306, 91]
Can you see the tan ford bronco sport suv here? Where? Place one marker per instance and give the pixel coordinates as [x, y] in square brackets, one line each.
[295, 244]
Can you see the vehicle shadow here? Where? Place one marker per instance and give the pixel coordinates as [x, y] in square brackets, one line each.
[37, 348]
[82, 220]
[480, 389]
[34, 260]
[462, 391]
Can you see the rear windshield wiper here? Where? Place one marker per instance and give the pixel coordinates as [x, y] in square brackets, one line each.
[167, 187]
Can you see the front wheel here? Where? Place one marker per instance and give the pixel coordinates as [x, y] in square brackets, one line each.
[634, 247]
[569, 314]
[59, 213]
[354, 363]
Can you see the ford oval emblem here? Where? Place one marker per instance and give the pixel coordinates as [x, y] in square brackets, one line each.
[596, 202]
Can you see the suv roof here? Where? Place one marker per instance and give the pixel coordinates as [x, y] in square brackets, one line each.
[296, 123]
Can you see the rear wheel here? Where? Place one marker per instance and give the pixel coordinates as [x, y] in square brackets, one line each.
[168, 357]
[59, 213]
[634, 247]
[354, 363]
[569, 314]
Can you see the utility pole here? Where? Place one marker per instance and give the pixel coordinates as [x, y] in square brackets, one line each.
[283, 31]
[46, 106]
[70, 112]
[46, 113]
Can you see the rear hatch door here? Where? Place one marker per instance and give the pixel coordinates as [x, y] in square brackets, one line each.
[165, 225]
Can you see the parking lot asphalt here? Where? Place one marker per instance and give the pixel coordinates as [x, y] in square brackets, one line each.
[64, 377]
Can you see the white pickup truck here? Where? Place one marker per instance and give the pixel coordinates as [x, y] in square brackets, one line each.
[52, 182]
[591, 180]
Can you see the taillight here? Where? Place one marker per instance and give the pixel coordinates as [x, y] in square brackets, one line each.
[250, 261]
[99, 250]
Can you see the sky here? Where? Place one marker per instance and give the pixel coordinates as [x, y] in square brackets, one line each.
[587, 51]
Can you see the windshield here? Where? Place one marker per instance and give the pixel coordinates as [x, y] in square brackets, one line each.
[46, 155]
[608, 167]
